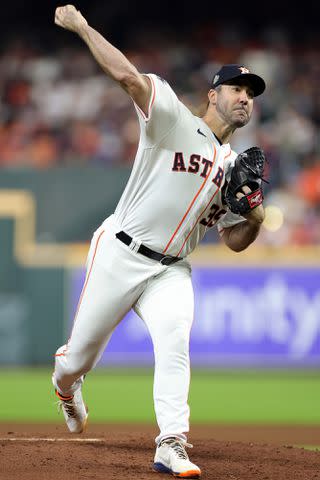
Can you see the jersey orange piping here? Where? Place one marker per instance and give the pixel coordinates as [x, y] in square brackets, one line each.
[215, 193]
[192, 203]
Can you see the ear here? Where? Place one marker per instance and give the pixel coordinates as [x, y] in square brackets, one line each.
[212, 96]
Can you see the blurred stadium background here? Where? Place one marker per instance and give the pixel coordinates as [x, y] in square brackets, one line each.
[68, 137]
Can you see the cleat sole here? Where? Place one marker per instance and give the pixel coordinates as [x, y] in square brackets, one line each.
[189, 474]
[160, 468]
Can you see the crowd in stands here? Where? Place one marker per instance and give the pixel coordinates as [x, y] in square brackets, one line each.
[59, 108]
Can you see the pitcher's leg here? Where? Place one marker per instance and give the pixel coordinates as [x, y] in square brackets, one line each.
[108, 293]
[100, 310]
[167, 307]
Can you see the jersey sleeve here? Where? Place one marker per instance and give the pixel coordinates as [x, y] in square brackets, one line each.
[163, 112]
[229, 220]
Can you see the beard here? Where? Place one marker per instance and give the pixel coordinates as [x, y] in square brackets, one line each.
[240, 123]
[237, 117]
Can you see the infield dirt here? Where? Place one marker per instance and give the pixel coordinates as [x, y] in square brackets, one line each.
[108, 452]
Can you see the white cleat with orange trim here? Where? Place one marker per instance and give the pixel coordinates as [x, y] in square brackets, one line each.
[171, 457]
[74, 411]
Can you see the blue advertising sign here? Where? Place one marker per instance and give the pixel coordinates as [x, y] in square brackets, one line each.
[243, 317]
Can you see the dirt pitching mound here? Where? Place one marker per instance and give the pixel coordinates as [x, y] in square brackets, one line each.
[47, 452]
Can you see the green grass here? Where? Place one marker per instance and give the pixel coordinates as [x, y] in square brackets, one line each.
[121, 395]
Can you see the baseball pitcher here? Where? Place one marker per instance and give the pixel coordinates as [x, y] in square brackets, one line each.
[185, 179]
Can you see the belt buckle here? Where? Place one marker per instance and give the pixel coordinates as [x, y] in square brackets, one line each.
[166, 257]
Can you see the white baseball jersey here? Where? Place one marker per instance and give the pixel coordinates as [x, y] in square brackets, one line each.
[174, 192]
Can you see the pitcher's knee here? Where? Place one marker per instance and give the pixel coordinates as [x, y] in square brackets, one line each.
[76, 367]
[175, 352]
[177, 343]
[72, 365]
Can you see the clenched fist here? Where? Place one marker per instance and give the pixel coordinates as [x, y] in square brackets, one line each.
[70, 18]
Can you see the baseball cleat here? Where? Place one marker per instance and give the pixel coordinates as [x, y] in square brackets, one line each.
[74, 411]
[171, 457]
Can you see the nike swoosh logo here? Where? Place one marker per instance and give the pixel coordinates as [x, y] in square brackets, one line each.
[199, 131]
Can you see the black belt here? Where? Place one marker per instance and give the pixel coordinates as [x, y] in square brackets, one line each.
[147, 252]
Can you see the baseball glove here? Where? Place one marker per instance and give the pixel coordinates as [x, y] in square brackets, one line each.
[247, 170]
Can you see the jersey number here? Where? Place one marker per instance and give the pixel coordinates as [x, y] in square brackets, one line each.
[213, 217]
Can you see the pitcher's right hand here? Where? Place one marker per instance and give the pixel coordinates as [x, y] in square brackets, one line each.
[70, 18]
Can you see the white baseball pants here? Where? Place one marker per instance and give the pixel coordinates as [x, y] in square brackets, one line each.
[117, 280]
